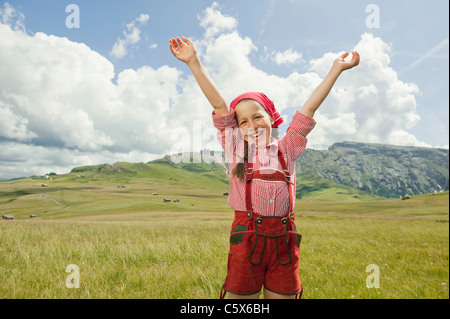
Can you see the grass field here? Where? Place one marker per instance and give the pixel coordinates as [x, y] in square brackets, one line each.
[128, 243]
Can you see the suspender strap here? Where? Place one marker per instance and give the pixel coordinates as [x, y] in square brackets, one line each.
[250, 174]
[248, 188]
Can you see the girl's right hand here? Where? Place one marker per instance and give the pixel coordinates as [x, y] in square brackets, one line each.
[183, 51]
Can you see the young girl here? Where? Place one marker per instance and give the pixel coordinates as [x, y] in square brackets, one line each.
[264, 242]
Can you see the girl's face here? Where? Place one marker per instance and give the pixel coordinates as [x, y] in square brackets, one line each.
[255, 124]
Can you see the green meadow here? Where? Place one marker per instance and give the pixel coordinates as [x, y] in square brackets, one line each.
[129, 243]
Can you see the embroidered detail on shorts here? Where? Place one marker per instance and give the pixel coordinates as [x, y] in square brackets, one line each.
[237, 238]
[299, 237]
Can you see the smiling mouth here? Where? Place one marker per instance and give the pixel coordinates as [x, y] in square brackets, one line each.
[256, 135]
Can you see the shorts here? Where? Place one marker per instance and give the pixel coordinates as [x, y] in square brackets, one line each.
[264, 251]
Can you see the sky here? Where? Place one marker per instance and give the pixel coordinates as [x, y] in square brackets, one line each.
[90, 82]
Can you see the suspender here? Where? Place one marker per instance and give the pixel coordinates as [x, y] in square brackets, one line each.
[250, 174]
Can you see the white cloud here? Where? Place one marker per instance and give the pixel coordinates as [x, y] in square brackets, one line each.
[288, 57]
[367, 104]
[22, 160]
[215, 22]
[56, 88]
[384, 107]
[399, 137]
[143, 18]
[131, 35]
[62, 97]
[14, 126]
[9, 16]
[59, 107]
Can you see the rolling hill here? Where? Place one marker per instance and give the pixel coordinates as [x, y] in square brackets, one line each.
[346, 172]
[141, 187]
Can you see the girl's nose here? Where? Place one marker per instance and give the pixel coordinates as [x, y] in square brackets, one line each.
[251, 125]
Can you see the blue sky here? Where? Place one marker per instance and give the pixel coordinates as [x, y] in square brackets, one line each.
[413, 27]
[412, 41]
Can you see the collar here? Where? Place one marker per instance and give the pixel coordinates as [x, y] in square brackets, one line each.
[271, 148]
[272, 142]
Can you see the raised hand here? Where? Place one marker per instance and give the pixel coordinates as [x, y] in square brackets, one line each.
[343, 65]
[183, 51]
[321, 92]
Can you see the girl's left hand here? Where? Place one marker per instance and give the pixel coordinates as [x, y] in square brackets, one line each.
[343, 65]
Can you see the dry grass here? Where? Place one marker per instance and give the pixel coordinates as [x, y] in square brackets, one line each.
[182, 254]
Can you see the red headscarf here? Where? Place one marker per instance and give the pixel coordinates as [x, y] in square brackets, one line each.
[262, 99]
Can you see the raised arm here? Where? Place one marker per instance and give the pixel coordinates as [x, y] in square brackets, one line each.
[186, 52]
[321, 92]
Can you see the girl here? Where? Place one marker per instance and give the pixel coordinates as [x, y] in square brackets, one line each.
[264, 242]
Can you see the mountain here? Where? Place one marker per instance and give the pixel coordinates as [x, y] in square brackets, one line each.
[377, 169]
[346, 171]
[385, 170]
[308, 186]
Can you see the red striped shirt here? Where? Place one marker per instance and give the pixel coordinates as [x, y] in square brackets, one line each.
[269, 198]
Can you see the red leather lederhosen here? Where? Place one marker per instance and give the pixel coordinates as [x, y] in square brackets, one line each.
[264, 250]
